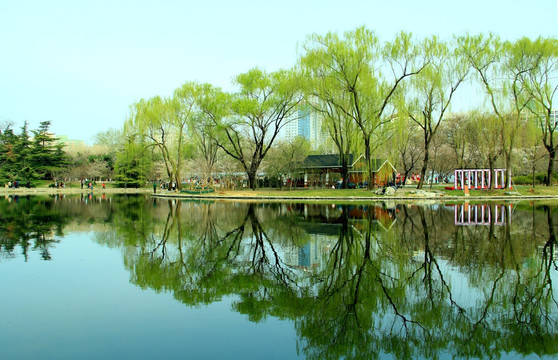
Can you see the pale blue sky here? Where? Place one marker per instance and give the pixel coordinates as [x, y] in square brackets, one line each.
[82, 63]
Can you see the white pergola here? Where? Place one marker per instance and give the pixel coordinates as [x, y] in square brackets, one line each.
[479, 178]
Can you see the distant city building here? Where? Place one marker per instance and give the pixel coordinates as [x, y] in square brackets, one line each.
[307, 123]
[541, 120]
[554, 117]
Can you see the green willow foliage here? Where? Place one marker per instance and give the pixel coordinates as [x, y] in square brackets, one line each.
[367, 90]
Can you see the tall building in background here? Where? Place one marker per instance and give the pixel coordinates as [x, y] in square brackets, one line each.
[540, 120]
[307, 123]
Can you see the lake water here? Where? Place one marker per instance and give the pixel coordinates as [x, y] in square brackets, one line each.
[131, 277]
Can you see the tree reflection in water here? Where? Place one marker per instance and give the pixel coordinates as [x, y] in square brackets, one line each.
[363, 280]
[356, 280]
[37, 223]
[23, 221]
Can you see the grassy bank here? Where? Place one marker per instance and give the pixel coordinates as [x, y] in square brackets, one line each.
[407, 192]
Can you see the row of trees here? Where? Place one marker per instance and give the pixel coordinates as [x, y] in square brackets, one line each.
[203, 122]
[374, 97]
[471, 140]
[24, 158]
[40, 155]
[384, 99]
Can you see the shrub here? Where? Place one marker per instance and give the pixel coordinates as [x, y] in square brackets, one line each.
[528, 179]
[523, 180]
[129, 184]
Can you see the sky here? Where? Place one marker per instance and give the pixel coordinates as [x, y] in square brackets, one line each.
[81, 64]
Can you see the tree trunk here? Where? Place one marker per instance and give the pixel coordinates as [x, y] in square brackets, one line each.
[251, 179]
[177, 180]
[345, 174]
[405, 176]
[423, 169]
[369, 163]
[507, 161]
[551, 157]
[493, 177]
[533, 173]
[344, 170]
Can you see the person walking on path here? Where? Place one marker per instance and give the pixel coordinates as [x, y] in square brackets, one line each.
[154, 187]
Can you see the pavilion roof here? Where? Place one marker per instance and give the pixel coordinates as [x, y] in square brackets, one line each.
[333, 161]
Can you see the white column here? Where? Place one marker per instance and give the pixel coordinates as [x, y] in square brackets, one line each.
[476, 219]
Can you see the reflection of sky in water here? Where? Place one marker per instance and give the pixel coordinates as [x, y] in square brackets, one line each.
[82, 305]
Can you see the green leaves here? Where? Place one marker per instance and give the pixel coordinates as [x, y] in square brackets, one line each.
[22, 159]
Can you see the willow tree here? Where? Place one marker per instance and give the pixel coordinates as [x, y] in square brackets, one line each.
[431, 92]
[516, 64]
[264, 104]
[148, 118]
[500, 67]
[365, 75]
[163, 122]
[407, 147]
[180, 111]
[540, 84]
[286, 158]
[485, 135]
[212, 106]
[324, 94]
[455, 131]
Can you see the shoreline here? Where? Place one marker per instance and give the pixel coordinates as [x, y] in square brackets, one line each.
[357, 198]
[245, 195]
[51, 191]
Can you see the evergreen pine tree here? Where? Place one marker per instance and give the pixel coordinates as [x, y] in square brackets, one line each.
[44, 157]
[8, 156]
[22, 146]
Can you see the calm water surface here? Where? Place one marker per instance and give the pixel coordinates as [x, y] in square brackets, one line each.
[130, 277]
